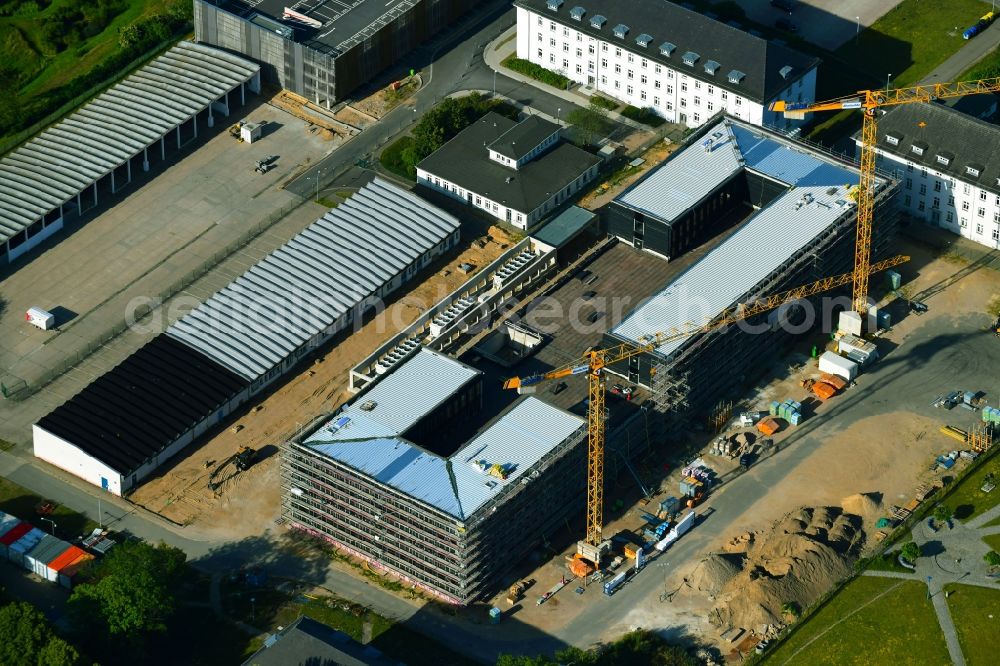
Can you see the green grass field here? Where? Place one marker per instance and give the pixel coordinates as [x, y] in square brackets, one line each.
[971, 609]
[993, 541]
[986, 68]
[21, 502]
[871, 621]
[967, 500]
[52, 51]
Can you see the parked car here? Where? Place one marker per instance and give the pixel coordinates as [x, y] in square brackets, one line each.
[558, 388]
[587, 295]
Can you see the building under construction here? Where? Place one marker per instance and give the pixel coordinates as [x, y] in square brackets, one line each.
[388, 480]
[796, 218]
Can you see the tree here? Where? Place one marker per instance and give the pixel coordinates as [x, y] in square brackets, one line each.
[27, 638]
[910, 552]
[942, 513]
[589, 122]
[791, 609]
[130, 592]
[992, 558]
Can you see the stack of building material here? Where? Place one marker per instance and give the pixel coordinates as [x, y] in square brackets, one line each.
[790, 410]
[857, 349]
[691, 486]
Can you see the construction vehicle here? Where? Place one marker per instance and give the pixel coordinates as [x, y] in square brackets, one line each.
[870, 101]
[266, 164]
[235, 128]
[242, 460]
[594, 547]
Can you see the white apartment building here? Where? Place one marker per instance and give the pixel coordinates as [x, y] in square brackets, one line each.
[949, 167]
[655, 54]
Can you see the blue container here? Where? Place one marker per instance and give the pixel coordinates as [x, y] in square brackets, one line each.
[774, 408]
[796, 417]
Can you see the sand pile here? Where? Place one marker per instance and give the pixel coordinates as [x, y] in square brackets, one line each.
[866, 505]
[798, 559]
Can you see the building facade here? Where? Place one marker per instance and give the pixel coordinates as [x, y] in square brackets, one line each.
[685, 66]
[949, 167]
[515, 171]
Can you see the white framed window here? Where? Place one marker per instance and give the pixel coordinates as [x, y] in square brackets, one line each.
[972, 171]
[631, 75]
[657, 69]
[604, 80]
[697, 118]
[982, 195]
[579, 69]
[540, 37]
[656, 102]
[979, 229]
[670, 105]
[631, 58]
[539, 54]
[604, 62]
[725, 95]
[963, 222]
[711, 106]
[628, 90]
[996, 234]
[656, 84]
[739, 100]
[923, 188]
[891, 140]
[942, 160]
[579, 53]
[618, 69]
[618, 85]
[965, 205]
[711, 90]
[540, 21]
[980, 212]
[697, 100]
[937, 185]
[642, 95]
[949, 216]
[552, 58]
[670, 90]
[643, 79]
[684, 86]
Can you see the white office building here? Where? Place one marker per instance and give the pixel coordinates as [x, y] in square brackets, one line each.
[949, 165]
[654, 54]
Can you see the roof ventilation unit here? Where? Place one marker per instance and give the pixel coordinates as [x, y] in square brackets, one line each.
[667, 49]
[577, 13]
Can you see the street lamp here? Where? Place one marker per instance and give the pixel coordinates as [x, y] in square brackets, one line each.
[252, 600]
[494, 83]
[559, 115]
[887, 77]
[857, 31]
[49, 520]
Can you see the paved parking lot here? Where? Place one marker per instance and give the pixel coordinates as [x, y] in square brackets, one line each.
[139, 245]
[825, 23]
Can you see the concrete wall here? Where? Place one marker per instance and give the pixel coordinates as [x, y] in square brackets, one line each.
[66, 456]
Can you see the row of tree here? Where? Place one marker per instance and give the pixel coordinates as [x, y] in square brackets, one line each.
[634, 648]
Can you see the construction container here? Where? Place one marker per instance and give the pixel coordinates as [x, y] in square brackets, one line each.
[835, 381]
[795, 419]
[823, 391]
[40, 318]
[773, 411]
[12, 535]
[495, 614]
[18, 549]
[690, 486]
[894, 278]
[631, 550]
[614, 583]
[838, 365]
[768, 426]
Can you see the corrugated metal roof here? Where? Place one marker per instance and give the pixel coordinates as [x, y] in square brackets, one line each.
[413, 390]
[457, 485]
[304, 286]
[768, 239]
[564, 227]
[686, 177]
[54, 166]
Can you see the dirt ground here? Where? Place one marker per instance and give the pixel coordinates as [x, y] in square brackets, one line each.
[246, 503]
[318, 123]
[888, 457]
[609, 189]
[385, 100]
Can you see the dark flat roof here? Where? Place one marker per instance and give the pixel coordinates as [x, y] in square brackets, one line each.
[565, 226]
[307, 642]
[521, 139]
[344, 21]
[465, 161]
[135, 410]
[942, 130]
[759, 59]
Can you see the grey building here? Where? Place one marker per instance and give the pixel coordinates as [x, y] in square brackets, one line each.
[323, 50]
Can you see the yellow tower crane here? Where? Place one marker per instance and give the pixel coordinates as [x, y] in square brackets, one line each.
[593, 363]
[869, 101]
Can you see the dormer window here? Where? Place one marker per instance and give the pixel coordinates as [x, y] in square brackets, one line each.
[621, 30]
[736, 76]
[690, 58]
[972, 170]
[643, 40]
[666, 48]
[554, 5]
[598, 21]
[892, 140]
[577, 13]
[943, 159]
[917, 150]
[711, 67]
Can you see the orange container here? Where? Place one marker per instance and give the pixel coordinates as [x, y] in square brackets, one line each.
[767, 426]
[823, 390]
[836, 382]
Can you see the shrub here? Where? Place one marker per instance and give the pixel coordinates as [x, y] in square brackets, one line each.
[992, 558]
[536, 72]
[910, 552]
[645, 116]
[603, 102]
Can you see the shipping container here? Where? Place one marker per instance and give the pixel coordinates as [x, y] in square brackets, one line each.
[768, 426]
[37, 559]
[7, 522]
[12, 535]
[68, 571]
[17, 550]
[823, 390]
[838, 365]
[614, 583]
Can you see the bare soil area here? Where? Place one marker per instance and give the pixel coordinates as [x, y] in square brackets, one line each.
[616, 182]
[246, 503]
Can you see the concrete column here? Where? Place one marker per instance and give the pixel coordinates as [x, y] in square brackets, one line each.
[95, 192]
[194, 121]
[145, 158]
[178, 137]
[227, 99]
[211, 118]
[128, 167]
[163, 147]
[113, 189]
[243, 94]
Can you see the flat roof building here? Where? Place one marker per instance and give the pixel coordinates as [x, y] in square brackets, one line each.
[797, 219]
[684, 65]
[323, 50]
[949, 164]
[185, 381]
[451, 517]
[515, 171]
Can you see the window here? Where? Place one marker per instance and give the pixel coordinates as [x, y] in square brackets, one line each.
[631, 74]
[891, 140]
[565, 64]
[739, 100]
[920, 206]
[909, 166]
[565, 32]
[670, 90]
[949, 216]
[656, 69]
[917, 150]
[579, 69]
[631, 58]
[979, 228]
[552, 58]
[996, 216]
[579, 53]
[590, 66]
[937, 185]
[965, 188]
[963, 222]
[628, 90]
[670, 105]
[604, 62]
[972, 171]
[684, 103]
[923, 188]
[642, 95]
[618, 69]
[711, 106]
[965, 205]
[711, 90]
[656, 102]
[644, 63]
[725, 95]
[951, 201]
[540, 22]
[982, 195]
[579, 36]
[697, 118]
[697, 84]
[618, 85]
[906, 200]
[996, 234]
[923, 172]
[936, 203]
[643, 79]
[942, 159]
[552, 26]
[591, 49]
[909, 183]
[552, 43]
[565, 47]
[618, 53]
[540, 53]
[604, 80]
[540, 38]
[479, 201]
[656, 84]
[604, 48]
[684, 86]
[697, 100]
[670, 73]
[980, 212]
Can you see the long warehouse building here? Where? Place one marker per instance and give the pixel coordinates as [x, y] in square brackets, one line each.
[387, 479]
[90, 156]
[797, 219]
[129, 421]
